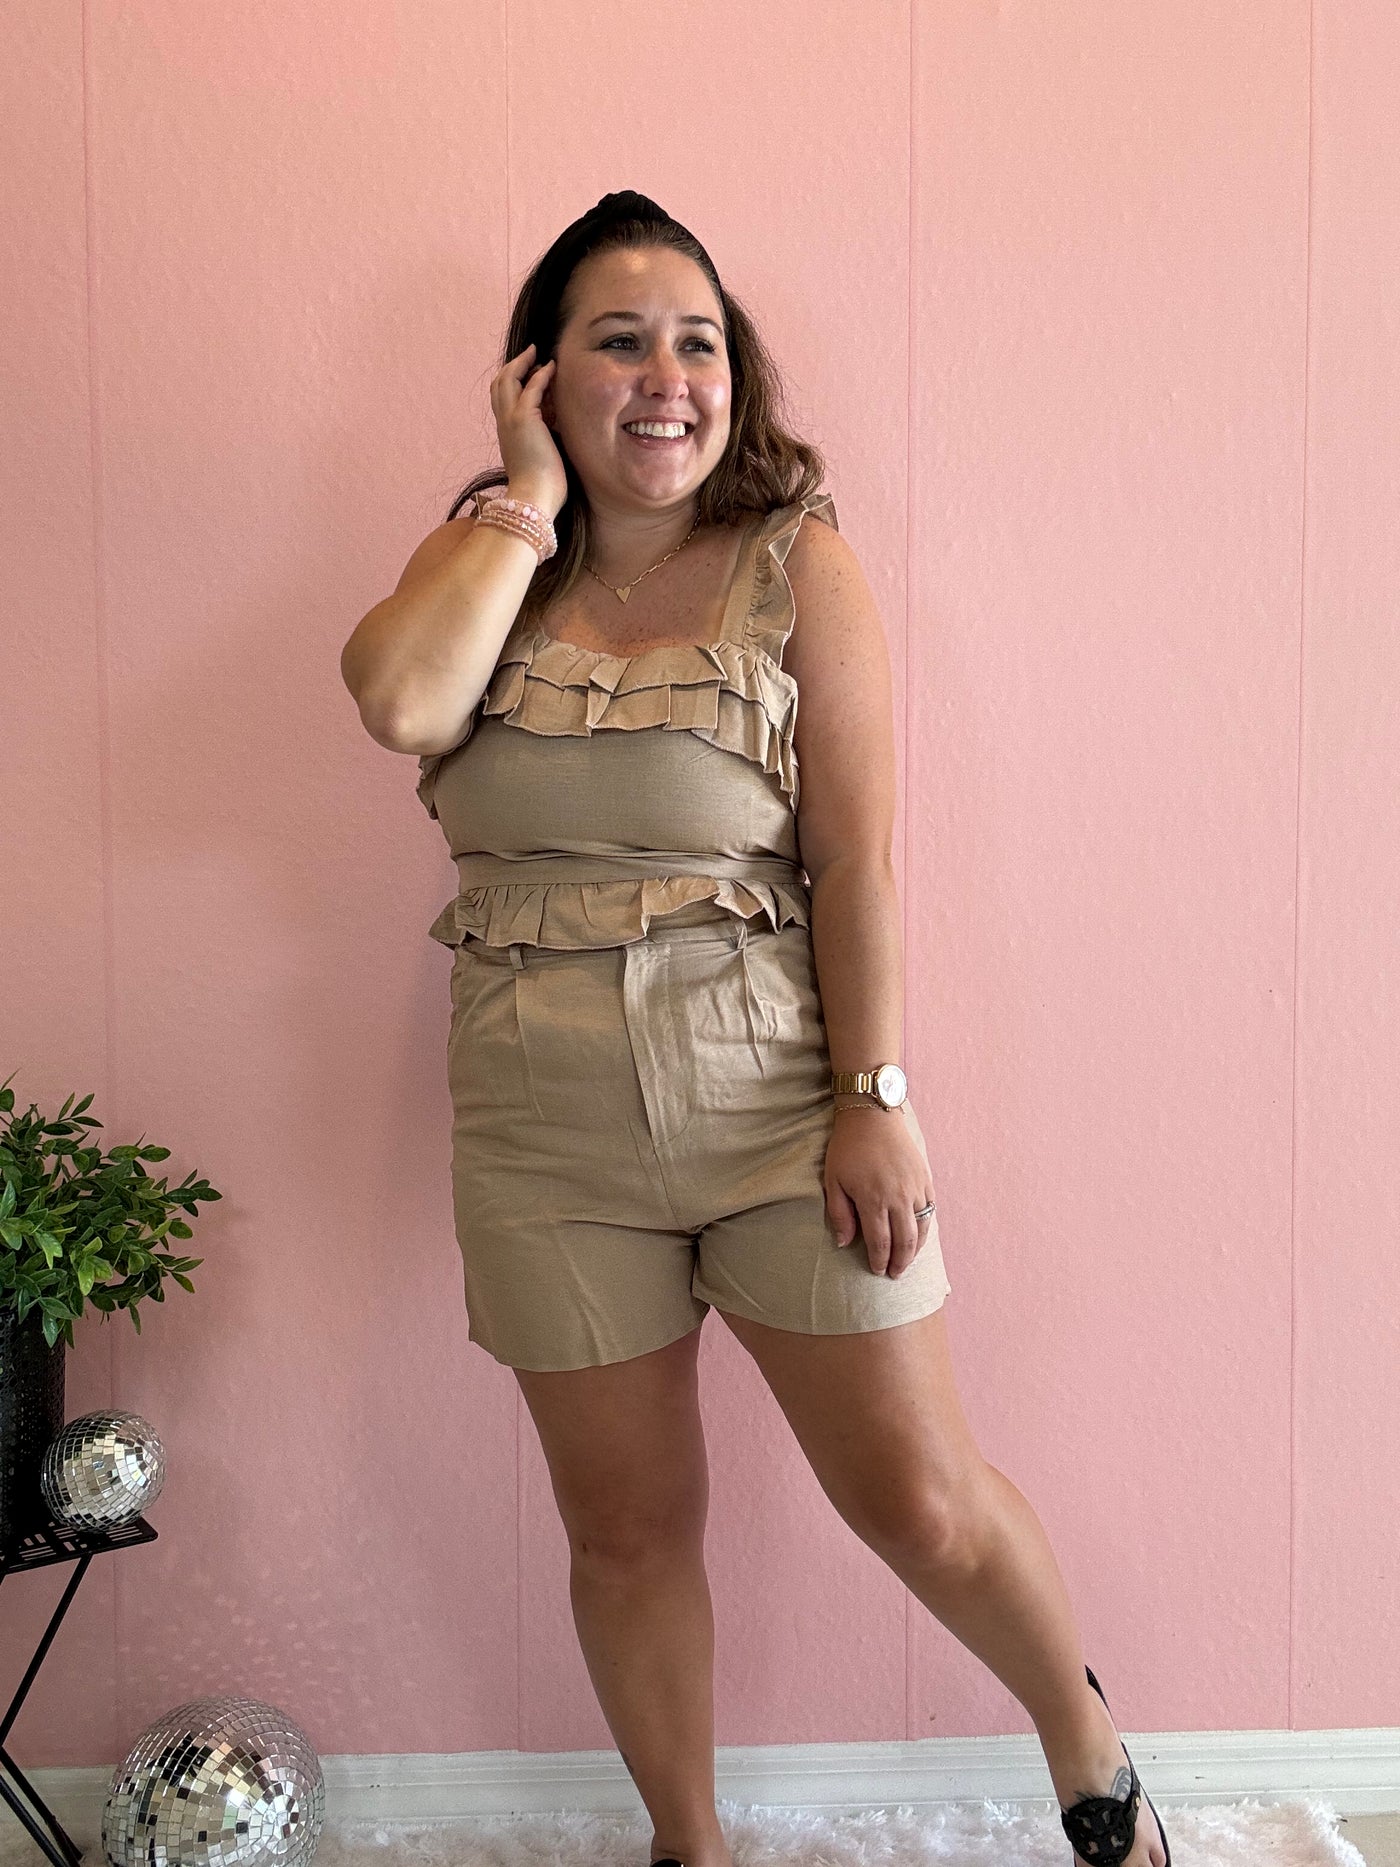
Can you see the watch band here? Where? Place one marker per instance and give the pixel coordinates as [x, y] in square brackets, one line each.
[885, 1087]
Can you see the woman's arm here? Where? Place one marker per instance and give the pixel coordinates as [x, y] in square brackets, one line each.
[418, 663]
[844, 742]
[876, 1175]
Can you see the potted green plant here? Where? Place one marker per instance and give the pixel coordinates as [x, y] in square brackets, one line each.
[76, 1227]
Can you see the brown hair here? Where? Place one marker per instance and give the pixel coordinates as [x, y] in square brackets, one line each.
[763, 465]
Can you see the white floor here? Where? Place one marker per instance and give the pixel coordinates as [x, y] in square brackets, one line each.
[1377, 1836]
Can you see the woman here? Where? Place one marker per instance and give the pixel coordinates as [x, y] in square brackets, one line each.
[672, 1058]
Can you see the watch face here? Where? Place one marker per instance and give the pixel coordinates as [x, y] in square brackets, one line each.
[891, 1085]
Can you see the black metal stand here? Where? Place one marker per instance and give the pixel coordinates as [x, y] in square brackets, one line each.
[36, 1549]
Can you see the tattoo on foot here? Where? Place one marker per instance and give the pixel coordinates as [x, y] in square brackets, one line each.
[1122, 1787]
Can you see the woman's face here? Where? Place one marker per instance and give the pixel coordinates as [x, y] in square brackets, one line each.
[662, 359]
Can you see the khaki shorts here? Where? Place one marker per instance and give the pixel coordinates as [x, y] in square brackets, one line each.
[639, 1132]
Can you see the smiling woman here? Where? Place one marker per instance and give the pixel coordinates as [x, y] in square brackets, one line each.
[628, 306]
[671, 954]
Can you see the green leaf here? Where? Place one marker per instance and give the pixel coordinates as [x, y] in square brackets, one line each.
[82, 1226]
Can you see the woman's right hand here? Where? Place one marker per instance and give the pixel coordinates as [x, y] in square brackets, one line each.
[528, 453]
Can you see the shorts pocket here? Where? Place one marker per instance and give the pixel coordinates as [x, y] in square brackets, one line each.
[486, 1064]
[783, 979]
[469, 974]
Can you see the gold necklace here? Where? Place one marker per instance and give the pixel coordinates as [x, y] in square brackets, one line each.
[623, 591]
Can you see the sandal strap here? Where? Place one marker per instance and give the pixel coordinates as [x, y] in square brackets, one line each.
[1100, 1829]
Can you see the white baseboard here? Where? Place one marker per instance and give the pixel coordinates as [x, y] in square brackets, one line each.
[1357, 1772]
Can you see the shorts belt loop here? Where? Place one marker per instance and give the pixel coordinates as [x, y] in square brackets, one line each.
[755, 1013]
[517, 957]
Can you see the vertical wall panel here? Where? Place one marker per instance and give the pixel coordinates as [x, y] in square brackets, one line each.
[299, 253]
[1346, 1616]
[55, 978]
[1110, 264]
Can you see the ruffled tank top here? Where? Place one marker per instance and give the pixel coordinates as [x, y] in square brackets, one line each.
[592, 793]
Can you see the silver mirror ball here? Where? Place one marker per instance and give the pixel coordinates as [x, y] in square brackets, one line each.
[102, 1470]
[219, 1782]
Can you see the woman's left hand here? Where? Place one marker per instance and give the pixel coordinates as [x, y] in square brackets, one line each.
[876, 1178]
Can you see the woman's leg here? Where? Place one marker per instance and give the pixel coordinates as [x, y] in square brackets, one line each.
[626, 1457]
[878, 1416]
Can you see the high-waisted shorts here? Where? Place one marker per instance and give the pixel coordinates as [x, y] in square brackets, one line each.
[640, 1132]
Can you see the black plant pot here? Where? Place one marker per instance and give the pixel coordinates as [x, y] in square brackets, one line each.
[31, 1418]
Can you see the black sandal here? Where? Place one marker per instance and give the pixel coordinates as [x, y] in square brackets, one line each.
[1102, 1829]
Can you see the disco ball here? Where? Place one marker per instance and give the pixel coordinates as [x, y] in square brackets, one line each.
[102, 1470]
[220, 1782]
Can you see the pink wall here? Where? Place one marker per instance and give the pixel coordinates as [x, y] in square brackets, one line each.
[1093, 310]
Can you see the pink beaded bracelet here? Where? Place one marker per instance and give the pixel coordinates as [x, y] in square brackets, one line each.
[520, 517]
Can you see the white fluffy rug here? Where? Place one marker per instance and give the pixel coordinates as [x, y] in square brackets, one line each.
[988, 1834]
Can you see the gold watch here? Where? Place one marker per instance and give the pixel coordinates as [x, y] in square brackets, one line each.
[886, 1086]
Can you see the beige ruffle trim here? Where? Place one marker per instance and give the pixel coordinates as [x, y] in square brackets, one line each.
[597, 914]
[773, 609]
[733, 694]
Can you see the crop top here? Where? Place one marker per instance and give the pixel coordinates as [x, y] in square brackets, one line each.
[592, 793]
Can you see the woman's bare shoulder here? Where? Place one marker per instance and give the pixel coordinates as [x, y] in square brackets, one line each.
[829, 586]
